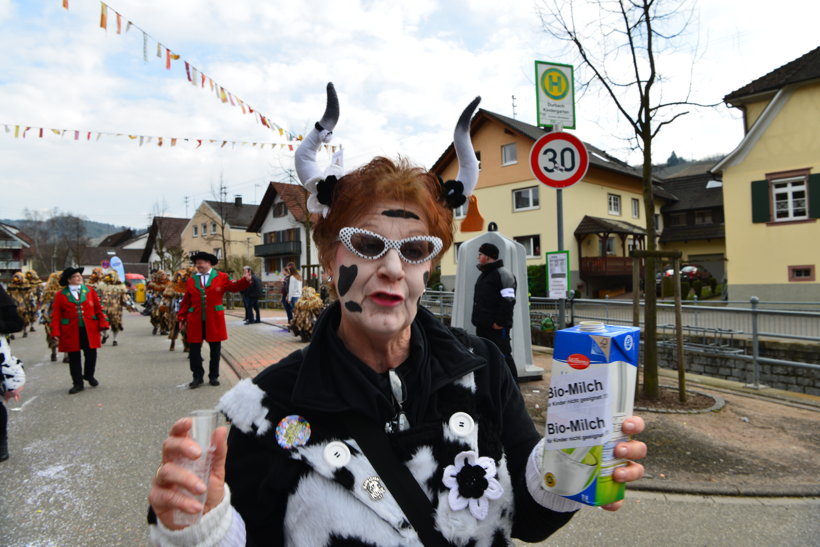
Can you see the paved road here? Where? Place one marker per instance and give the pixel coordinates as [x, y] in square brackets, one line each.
[80, 465]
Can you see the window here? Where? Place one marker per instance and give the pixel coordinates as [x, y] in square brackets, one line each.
[532, 244]
[703, 217]
[525, 199]
[218, 252]
[213, 227]
[614, 204]
[786, 196]
[460, 211]
[606, 247]
[636, 208]
[677, 219]
[196, 231]
[204, 229]
[509, 154]
[801, 273]
[280, 209]
[789, 196]
[456, 248]
[657, 222]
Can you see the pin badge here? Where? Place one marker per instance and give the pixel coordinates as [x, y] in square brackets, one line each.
[374, 487]
[292, 431]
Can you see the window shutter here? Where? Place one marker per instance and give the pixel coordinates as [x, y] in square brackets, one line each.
[761, 209]
[814, 196]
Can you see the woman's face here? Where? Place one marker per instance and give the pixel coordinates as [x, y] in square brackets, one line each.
[76, 279]
[380, 297]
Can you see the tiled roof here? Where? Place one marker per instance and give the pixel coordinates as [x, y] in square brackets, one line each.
[116, 239]
[802, 69]
[598, 225]
[294, 196]
[692, 193]
[170, 228]
[693, 233]
[237, 216]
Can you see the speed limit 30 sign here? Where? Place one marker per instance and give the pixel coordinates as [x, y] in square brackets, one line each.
[559, 159]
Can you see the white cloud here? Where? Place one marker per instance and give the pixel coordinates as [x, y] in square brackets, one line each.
[404, 71]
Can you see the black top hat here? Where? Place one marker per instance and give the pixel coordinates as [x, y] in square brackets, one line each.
[202, 255]
[67, 273]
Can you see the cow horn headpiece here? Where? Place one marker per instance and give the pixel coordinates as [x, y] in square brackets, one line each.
[320, 184]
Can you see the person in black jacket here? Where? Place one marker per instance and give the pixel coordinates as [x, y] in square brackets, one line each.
[251, 296]
[493, 302]
[10, 321]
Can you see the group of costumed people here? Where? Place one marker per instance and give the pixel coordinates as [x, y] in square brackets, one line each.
[163, 298]
[389, 428]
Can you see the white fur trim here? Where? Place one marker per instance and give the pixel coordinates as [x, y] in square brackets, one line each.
[220, 526]
[243, 407]
[535, 485]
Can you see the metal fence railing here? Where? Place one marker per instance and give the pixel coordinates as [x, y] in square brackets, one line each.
[708, 328]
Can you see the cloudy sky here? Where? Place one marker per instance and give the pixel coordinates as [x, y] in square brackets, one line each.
[403, 70]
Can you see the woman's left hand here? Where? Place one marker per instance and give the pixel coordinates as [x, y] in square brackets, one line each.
[629, 450]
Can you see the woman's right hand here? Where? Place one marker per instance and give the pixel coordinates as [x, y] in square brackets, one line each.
[166, 493]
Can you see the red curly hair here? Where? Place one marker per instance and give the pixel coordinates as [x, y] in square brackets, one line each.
[383, 179]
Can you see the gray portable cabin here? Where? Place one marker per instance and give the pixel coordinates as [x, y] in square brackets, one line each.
[514, 256]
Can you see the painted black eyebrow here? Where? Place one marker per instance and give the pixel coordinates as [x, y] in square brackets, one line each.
[400, 213]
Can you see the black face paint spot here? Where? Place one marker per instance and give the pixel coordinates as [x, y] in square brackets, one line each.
[400, 213]
[347, 275]
[426, 278]
[353, 307]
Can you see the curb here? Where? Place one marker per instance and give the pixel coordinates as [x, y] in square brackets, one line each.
[739, 490]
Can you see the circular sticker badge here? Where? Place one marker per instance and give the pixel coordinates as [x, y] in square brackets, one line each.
[292, 431]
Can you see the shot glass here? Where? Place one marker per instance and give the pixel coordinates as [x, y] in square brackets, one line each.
[203, 425]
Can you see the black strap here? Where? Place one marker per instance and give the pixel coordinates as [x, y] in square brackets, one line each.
[398, 479]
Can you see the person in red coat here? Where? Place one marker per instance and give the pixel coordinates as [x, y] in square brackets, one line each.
[76, 322]
[204, 312]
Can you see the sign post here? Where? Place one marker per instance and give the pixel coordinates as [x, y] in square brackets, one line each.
[555, 94]
[559, 160]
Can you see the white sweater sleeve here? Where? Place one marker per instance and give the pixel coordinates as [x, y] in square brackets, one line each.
[222, 526]
[539, 494]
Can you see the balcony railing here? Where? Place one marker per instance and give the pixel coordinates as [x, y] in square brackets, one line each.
[278, 249]
[600, 266]
[10, 265]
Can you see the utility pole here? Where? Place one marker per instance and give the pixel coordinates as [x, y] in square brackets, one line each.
[186, 206]
[513, 106]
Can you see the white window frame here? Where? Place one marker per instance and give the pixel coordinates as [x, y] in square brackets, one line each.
[204, 229]
[613, 204]
[505, 151]
[529, 244]
[461, 210]
[213, 227]
[196, 231]
[532, 191]
[783, 193]
[636, 208]
[456, 248]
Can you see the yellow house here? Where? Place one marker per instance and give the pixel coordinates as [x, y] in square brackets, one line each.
[771, 186]
[212, 219]
[603, 213]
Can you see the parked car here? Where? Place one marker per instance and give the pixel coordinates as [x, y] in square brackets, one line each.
[688, 272]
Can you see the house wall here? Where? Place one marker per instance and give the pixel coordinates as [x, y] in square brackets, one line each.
[238, 242]
[759, 253]
[287, 222]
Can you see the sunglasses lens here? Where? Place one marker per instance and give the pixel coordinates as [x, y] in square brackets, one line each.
[366, 245]
[417, 249]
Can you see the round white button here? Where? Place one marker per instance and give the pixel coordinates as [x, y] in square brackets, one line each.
[337, 454]
[462, 424]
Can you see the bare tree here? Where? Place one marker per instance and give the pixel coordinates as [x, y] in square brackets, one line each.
[621, 45]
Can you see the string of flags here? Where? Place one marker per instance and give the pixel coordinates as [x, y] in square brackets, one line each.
[195, 76]
[25, 131]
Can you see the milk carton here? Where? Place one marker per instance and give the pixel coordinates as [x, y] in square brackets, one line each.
[592, 389]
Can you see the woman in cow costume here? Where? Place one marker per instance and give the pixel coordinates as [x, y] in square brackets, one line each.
[299, 466]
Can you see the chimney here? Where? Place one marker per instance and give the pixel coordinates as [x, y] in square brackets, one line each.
[237, 200]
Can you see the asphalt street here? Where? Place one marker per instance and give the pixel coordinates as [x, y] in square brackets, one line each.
[81, 464]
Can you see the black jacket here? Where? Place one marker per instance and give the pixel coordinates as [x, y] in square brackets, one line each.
[10, 320]
[255, 288]
[290, 495]
[492, 300]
